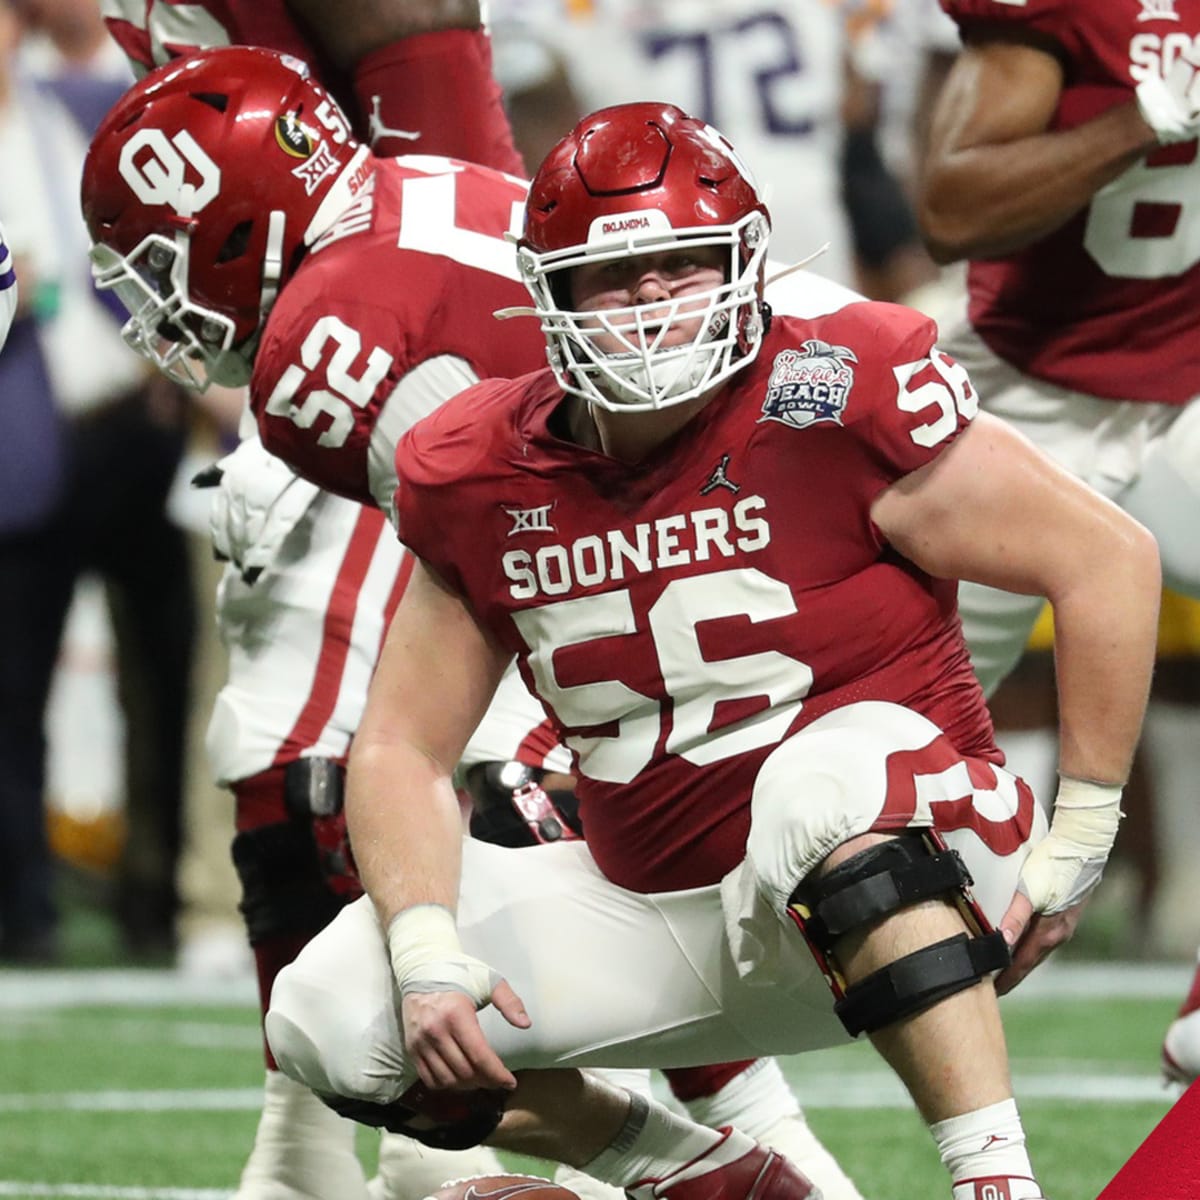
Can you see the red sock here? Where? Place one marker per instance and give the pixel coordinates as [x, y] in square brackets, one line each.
[693, 1083]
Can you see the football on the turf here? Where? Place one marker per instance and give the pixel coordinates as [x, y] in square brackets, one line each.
[503, 1187]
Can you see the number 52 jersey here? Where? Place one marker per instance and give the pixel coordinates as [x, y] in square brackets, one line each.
[681, 616]
[390, 314]
[1106, 303]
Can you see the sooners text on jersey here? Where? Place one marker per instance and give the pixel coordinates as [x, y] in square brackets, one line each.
[680, 617]
[1105, 304]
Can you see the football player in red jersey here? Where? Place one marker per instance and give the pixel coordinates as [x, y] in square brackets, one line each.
[1062, 164]
[722, 545]
[205, 189]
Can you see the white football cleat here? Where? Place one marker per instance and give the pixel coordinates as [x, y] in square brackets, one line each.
[736, 1168]
[410, 1171]
[1181, 1049]
[795, 1140]
[302, 1150]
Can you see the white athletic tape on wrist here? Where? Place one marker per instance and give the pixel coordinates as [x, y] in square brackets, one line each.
[428, 957]
[1169, 105]
[1065, 866]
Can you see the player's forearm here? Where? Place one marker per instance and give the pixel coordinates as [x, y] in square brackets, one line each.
[403, 818]
[1106, 627]
[351, 28]
[987, 200]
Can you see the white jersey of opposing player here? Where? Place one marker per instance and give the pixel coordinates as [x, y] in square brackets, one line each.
[304, 637]
[8, 289]
[768, 76]
[914, 32]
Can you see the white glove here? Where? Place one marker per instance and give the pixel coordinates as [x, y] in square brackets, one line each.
[427, 956]
[1065, 866]
[8, 289]
[259, 501]
[1170, 104]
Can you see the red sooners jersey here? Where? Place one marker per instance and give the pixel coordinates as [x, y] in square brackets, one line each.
[681, 616]
[1105, 304]
[411, 273]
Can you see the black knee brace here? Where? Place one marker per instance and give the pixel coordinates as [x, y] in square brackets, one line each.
[445, 1120]
[874, 883]
[283, 888]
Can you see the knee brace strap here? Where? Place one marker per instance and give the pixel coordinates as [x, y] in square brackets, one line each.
[919, 980]
[445, 1120]
[875, 882]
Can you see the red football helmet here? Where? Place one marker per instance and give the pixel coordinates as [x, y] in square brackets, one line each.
[202, 189]
[638, 179]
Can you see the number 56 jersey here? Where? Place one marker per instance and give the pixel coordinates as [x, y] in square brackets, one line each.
[1106, 303]
[682, 616]
[390, 314]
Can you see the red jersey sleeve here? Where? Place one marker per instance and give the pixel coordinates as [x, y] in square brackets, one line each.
[1052, 19]
[434, 93]
[442, 462]
[323, 372]
[908, 400]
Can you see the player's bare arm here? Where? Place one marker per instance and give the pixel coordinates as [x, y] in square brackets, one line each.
[435, 676]
[995, 510]
[995, 177]
[351, 28]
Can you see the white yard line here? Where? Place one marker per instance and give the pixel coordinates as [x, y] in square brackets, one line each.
[88, 1191]
[19, 1026]
[42, 990]
[128, 1100]
[841, 1089]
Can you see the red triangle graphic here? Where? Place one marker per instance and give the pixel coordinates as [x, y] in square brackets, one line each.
[1166, 1166]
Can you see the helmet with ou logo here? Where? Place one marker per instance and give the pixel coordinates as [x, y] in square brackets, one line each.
[202, 189]
[645, 179]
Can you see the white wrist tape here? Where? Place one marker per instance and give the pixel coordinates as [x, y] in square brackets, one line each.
[1169, 106]
[428, 957]
[1065, 866]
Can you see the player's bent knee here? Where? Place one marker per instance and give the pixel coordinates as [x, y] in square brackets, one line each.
[325, 1043]
[868, 887]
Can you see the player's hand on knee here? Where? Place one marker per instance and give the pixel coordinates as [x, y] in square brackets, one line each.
[441, 989]
[1170, 104]
[446, 1045]
[1060, 873]
[1032, 937]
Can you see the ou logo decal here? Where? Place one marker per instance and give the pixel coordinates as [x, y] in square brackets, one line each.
[158, 178]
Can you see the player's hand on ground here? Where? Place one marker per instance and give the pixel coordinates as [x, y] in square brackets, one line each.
[446, 1044]
[1032, 937]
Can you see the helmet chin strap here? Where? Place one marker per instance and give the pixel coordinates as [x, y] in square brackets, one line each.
[272, 270]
